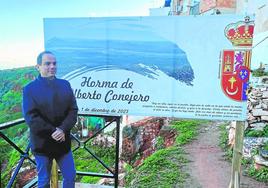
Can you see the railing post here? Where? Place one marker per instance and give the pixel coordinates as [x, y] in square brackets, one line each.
[237, 155]
[117, 152]
[54, 175]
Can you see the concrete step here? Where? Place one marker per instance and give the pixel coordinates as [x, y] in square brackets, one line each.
[86, 185]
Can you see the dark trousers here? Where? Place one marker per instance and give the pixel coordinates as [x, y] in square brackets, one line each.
[66, 165]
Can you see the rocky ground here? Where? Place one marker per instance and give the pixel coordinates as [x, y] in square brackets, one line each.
[207, 167]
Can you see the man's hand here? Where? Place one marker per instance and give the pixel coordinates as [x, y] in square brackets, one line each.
[58, 135]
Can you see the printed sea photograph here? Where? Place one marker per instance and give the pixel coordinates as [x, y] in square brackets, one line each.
[139, 50]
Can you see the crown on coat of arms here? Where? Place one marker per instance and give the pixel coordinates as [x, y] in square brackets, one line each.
[240, 33]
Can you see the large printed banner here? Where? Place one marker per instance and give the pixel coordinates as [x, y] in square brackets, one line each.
[187, 67]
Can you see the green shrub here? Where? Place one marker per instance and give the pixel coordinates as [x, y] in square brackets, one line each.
[259, 72]
[259, 175]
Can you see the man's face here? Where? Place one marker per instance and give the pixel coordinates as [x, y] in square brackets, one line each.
[48, 67]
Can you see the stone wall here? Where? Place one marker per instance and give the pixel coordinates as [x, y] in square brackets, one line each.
[257, 121]
[258, 107]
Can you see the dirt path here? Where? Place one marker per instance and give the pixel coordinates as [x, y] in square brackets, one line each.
[207, 167]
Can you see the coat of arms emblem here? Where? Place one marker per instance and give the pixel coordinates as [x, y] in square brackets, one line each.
[235, 69]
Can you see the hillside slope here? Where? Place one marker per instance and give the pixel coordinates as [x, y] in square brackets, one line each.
[11, 84]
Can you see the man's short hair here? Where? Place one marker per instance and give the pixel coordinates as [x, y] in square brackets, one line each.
[40, 56]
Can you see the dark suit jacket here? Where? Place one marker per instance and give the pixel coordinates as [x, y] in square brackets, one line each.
[48, 104]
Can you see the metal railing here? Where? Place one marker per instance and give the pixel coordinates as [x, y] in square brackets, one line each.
[24, 154]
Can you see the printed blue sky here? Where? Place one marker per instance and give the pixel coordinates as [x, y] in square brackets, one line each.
[97, 28]
[21, 29]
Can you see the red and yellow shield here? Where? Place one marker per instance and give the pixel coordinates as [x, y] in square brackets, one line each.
[235, 73]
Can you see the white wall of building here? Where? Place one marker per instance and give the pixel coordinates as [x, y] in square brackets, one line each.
[249, 6]
[160, 11]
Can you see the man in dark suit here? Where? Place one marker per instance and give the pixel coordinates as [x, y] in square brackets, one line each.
[50, 110]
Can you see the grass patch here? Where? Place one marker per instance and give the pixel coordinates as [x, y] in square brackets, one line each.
[164, 167]
[187, 130]
[85, 162]
[160, 142]
[224, 143]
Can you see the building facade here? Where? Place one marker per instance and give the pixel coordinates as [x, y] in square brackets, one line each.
[209, 7]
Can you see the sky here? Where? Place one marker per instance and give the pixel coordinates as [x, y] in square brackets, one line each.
[21, 28]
